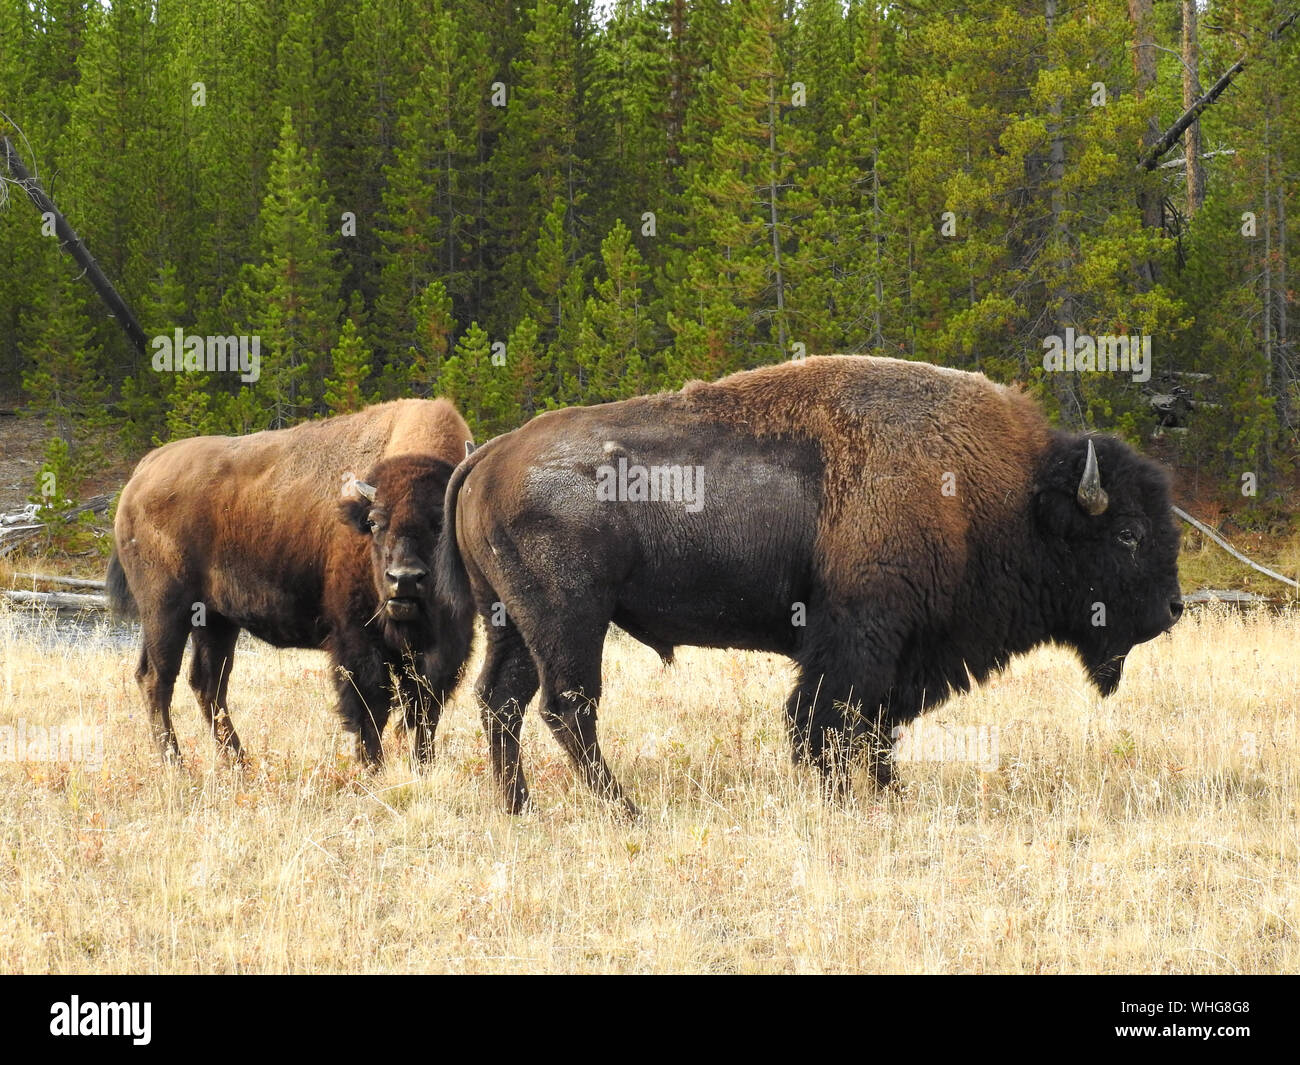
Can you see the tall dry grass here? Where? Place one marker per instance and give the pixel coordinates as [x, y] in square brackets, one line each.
[1152, 832]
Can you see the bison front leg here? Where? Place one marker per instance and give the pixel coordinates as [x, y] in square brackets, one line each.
[429, 682]
[361, 682]
[425, 691]
[822, 733]
[423, 710]
[836, 714]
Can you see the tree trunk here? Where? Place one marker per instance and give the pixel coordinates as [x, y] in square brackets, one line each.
[1285, 392]
[1267, 224]
[1192, 92]
[1063, 382]
[76, 247]
[773, 112]
[878, 237]
[1144, 79]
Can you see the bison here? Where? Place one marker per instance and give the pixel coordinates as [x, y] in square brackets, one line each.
[896, 528]
[217, 534]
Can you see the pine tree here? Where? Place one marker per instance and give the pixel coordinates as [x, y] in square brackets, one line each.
[629, 83]
[537, 160]
[434, 328]
[345, 390]
[554, 301]
[474, 385]
[190, 408]
[845, 264]
[730, 309]
[292, 294]
[614, 333]
[65, 386]
[428, 199]
[145, 394]
[229, 136]
[524, 387]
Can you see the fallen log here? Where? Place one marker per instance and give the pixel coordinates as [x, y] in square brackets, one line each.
[71, 582]
[1228, 596]
[63, 602]
[27, 514]
[13, 536]
[1202, 527]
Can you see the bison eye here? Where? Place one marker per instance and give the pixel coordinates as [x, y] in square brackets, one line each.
[1130, 538]
[372, 525]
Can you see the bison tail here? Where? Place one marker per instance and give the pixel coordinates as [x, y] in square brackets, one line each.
[452, 579]
[119, 592]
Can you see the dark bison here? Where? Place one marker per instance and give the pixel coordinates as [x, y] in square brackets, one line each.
[216, 534]
[896, 528]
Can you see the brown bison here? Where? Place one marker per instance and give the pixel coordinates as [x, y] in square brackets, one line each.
[895, 528]
[216, 534]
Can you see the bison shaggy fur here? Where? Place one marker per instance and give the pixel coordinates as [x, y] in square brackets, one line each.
[897, 529]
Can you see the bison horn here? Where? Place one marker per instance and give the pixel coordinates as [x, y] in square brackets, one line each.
[1092, 497]
[367, 491]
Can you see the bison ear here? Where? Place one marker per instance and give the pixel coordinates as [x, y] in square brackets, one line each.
[356, 512]
[469, 448]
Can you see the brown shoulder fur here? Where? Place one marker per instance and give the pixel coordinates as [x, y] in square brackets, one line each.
[910, 450]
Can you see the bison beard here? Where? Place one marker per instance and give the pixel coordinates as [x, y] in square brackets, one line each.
[923, 524]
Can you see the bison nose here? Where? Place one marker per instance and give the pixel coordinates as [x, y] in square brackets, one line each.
[405, 580]
[1176, 608]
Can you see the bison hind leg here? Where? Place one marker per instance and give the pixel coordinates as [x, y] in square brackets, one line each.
[214, 653]
[505, 685]
[161, 648]
[570, 682]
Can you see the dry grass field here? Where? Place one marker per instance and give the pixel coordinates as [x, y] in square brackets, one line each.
[1153, 832]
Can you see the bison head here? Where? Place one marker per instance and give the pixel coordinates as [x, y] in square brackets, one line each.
[399, 508]
[1103, 512]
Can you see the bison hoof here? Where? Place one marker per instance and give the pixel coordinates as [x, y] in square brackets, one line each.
[517, 802]
[372, 757]
[882, 773]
